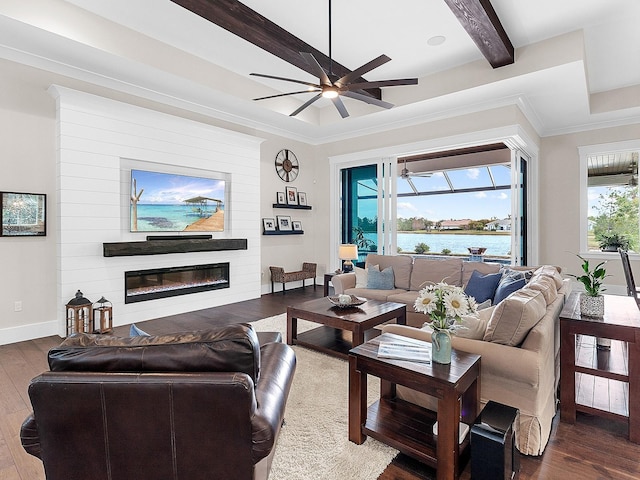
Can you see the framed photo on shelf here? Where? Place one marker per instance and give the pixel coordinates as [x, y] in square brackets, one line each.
[284, 223]
[292, 195]
[23, 214]
[302, 198]
[297, 226]
[281, 199]
[269, 224]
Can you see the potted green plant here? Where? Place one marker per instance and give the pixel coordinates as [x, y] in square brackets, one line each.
[592, 301]
[611, 243]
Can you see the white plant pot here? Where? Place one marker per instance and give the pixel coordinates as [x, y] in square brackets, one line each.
[591, 306]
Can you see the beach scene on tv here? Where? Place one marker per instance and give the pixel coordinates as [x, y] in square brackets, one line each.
[163, 202]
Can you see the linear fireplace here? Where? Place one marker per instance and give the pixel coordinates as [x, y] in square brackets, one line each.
[143, 285]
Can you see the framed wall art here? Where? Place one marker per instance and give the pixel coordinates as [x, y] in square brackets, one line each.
[296, 225]
[269, 224]
[284, 223]
[23, 214]
[281, 198]
[292, 195]
[302, 198]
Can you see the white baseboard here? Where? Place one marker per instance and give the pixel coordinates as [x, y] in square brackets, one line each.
[28, 332]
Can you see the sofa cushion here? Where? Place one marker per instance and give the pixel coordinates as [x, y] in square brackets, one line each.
[483, 267]
[482, 287]
[428, 270]
[550, 271]
[361, 277]
[408, 298]
[373, 294]
[546, 285]
[474, 325]
[380, 280]
[401, 265]
[507, 285]
[513, 318]
[229, 348]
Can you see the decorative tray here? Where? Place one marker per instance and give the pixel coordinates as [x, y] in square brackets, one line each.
[353, 302]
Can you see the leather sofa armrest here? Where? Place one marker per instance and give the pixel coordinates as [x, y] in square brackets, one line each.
[343, 281]
[272, 391]
[30, 438]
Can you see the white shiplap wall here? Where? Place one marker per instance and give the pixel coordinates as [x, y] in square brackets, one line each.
[99, 141]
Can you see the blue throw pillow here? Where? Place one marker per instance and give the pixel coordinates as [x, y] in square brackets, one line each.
[380, 280]
[508, 284]
[482, 287]
[134, 331]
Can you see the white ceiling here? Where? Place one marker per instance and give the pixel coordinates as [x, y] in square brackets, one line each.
[577, 61]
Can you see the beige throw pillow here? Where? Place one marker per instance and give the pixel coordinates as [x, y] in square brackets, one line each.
[515, 316]
[474, 326]
[546, 285]
[550, 271]
[361, 277]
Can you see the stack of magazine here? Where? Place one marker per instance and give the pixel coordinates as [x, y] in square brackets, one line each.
[397, 347]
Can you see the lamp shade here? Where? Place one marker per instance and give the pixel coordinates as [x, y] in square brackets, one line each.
[348, 252]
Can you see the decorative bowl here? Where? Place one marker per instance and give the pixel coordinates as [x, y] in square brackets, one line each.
[353, 302]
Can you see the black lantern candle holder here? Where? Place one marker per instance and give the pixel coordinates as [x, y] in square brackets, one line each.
[103, 315]
[79, 315]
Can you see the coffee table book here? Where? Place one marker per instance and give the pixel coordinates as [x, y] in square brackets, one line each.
[398, 347]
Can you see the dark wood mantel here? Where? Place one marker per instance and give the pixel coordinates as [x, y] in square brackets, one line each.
[159, 247]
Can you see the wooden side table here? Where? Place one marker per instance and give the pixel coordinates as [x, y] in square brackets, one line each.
[404, 425]
[327, 279]
[621, 321]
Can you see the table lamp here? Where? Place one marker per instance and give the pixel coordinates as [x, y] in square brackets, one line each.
[348, 252]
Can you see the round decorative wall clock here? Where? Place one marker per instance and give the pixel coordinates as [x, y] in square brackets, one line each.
[287, 165]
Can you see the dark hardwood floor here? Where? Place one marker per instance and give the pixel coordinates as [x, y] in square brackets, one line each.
[593, 448]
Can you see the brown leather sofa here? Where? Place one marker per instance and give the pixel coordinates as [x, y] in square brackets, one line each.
[197, 405]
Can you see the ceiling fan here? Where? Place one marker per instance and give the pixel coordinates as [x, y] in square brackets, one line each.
[332, 87]
[406, 175]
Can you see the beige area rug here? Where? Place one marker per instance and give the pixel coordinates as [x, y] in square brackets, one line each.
[314, 442]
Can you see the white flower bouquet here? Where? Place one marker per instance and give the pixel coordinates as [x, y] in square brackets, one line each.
[444, 304]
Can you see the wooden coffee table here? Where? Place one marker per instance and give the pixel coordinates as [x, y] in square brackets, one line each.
[404, 425]
[343, 328]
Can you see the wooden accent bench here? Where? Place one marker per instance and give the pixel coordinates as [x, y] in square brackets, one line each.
[279, 275]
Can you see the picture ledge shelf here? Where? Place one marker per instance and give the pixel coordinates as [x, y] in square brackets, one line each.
[283, 232]
[159, 247]
[297, 207]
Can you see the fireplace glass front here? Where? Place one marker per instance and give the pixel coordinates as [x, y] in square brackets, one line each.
[145, 285]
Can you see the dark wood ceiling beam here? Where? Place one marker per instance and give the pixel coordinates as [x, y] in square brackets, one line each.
[482, 24]
[244, 22]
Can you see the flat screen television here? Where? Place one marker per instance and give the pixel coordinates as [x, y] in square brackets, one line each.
[166, 202]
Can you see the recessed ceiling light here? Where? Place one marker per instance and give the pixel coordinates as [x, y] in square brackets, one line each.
[436, 40]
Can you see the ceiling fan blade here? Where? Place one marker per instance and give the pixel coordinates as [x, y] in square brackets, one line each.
[285, 79]
[382, 83]
[358, 72]
[285, 94]
[319, 71]
[413, 187]
[340, 106]
[305, 105]
[368, 99]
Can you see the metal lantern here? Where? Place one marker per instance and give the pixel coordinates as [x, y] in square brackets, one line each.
[79, 315]
[103, 312]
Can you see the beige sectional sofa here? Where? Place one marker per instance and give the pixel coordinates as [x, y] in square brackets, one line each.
[520, 346]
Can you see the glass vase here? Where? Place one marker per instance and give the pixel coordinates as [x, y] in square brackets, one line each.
[441, 346]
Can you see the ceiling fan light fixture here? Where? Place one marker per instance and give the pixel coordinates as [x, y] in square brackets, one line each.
[330, 92]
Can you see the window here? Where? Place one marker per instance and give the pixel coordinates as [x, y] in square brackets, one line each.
[612, 196]
[360, 208]
[609, 195]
